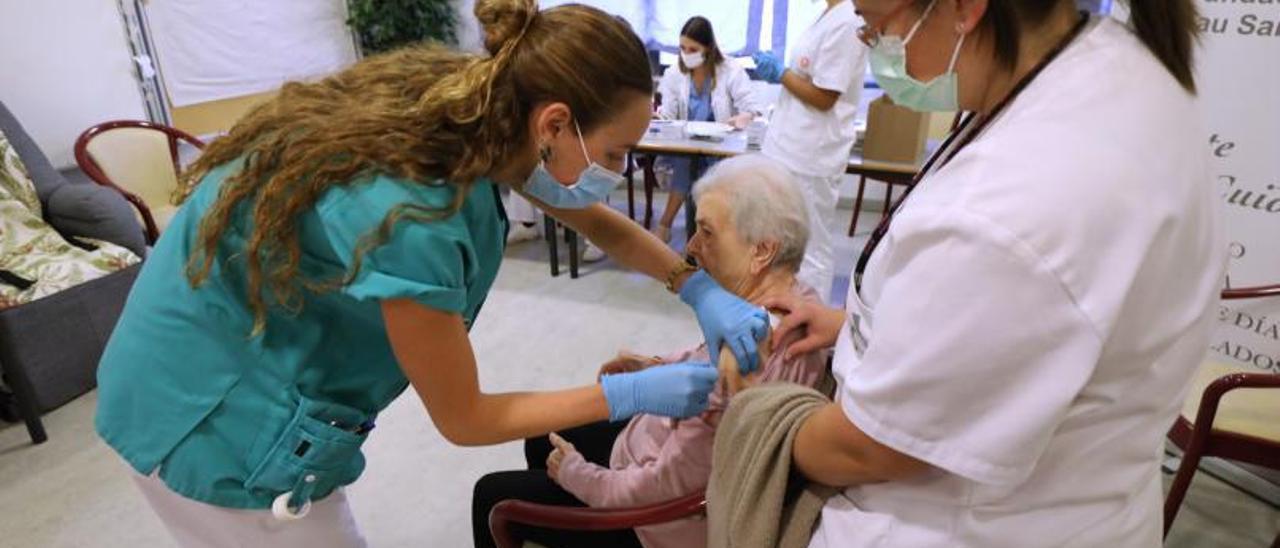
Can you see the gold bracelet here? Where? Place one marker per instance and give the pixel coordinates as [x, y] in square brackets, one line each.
[680, 268]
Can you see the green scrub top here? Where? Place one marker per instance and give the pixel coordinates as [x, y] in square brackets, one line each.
[234, 420]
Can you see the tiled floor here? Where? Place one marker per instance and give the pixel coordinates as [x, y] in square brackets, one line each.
[535, 332]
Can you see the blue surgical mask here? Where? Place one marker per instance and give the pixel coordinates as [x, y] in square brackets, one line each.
[889, 66]
[593, 185]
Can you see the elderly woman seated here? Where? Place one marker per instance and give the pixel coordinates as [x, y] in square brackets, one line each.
[752, 231]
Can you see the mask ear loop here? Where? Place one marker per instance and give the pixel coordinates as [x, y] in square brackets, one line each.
[912, 33]
[951, 68]
[582, 142]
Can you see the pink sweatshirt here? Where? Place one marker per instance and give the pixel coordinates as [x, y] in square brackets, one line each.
[657, 459]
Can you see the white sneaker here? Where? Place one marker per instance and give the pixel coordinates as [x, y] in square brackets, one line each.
[591, 253]
[521, 233]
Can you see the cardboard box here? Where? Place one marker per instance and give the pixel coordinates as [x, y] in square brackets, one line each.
[894, 133]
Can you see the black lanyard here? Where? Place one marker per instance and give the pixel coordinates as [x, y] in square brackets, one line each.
[960, 138]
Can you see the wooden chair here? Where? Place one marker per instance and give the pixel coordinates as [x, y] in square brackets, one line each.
[510, 512]
[549, 226]
[1228, 414]
[140, 160]
[888, 197]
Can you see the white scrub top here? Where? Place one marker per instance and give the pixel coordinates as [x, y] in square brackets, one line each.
[811, 141]
[1030, 322]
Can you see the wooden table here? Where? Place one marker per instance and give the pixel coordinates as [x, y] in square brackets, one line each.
[735, 143]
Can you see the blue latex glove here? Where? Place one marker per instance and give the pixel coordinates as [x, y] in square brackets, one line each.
[769, 66]
[726, 319]
[679, 390]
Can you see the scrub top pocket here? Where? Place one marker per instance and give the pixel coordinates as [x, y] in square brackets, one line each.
[318, 451]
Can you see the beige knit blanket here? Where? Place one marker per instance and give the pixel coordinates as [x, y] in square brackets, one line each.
[753, 498]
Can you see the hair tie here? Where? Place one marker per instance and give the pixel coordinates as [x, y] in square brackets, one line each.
[511, 43]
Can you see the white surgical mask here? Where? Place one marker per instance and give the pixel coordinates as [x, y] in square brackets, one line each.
[593, 185]
[692, 60]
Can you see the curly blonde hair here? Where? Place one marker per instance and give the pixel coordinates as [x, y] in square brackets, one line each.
[424, 113]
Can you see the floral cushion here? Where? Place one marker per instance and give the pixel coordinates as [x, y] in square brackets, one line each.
[14, 180]
[32, 250]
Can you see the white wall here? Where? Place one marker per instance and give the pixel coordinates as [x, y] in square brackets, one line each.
[211, 51]
[469, 37]
[64, 66]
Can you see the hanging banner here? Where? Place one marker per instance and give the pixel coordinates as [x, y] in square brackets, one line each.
[232, 48]
[1239, 81]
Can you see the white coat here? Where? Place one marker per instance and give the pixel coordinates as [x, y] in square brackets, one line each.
[733, 93]
[1030, 323]
[817, 142]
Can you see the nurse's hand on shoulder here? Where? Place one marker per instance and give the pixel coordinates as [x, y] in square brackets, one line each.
[726, 320]
[679, 390]
[820, 324]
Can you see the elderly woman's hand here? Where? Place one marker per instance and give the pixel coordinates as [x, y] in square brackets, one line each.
[556, 458]
[820, 325]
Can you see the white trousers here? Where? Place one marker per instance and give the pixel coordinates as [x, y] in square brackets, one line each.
[520, 210]
[195, 524]
[820, 196]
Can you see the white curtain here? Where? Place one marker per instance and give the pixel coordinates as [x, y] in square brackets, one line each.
[800, 16]
[658, 22]
[636, 12]
[729, 19]
[230, 48]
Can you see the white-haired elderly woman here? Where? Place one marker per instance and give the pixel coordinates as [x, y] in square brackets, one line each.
[752, 232]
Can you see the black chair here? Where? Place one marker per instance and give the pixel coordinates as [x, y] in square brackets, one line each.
[50, 347]
[570, 238]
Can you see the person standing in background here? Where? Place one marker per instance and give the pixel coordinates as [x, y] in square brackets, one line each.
[812, 129]
[524, 217]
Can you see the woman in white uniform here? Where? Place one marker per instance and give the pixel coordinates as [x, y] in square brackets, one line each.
[1021, 333]
[812, 128]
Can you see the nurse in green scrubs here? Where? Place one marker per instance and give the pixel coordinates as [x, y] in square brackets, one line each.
[336, 248]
